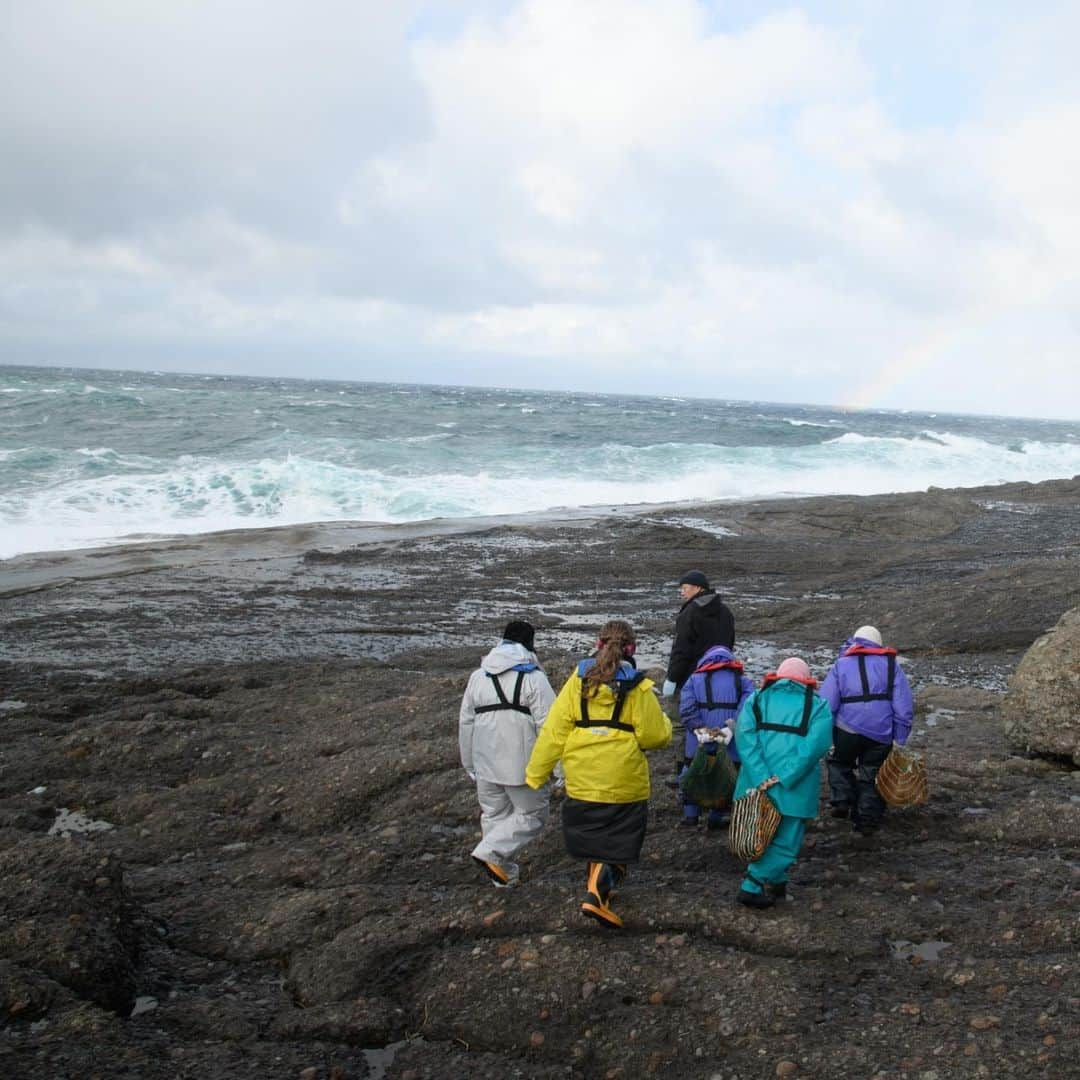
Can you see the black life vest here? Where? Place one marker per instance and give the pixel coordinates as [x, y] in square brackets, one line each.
[866, 695]
[504, 702]
[804, 725]
[620, 688]
[736, 688]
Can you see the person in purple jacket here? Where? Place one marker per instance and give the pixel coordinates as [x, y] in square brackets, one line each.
[711, 698]
[872, 708]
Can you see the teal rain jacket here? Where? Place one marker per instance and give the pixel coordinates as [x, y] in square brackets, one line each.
[789, 741]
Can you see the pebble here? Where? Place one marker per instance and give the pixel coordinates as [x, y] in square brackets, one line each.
[786, 1068]
[588, 988]
[984, 1023]
[656, 998]
[537, 1038]
[494, 917]
[310, 1073]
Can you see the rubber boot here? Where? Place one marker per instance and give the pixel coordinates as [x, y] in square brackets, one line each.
[602, 881]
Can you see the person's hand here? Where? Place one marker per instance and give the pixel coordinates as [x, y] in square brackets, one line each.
[722, 735]
[471, 775]
[771, 782]
[669, 688]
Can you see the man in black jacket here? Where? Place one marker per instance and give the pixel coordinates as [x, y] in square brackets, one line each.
[704, 620]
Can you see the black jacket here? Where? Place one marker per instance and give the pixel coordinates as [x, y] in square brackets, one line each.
[702, 623]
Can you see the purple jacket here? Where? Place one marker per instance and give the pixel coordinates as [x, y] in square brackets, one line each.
[729, 688]
[868, 692]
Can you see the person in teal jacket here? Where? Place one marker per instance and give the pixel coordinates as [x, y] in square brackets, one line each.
[783, 731]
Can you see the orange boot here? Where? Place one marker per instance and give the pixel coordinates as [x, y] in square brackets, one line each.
[602, 881]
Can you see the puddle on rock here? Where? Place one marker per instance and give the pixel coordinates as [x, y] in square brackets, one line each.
[378, 1061]
[929, 951]
[74, 821]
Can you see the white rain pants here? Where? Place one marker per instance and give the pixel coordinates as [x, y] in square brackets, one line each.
[509, 818]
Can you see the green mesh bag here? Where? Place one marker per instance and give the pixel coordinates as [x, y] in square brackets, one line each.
[709, 780]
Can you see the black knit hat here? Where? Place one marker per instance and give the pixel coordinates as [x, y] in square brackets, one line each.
[520, 631]
[694, 577]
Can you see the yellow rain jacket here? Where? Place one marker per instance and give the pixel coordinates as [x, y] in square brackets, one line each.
[602, 763]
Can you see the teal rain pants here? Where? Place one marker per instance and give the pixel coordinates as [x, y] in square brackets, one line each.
[777, 858]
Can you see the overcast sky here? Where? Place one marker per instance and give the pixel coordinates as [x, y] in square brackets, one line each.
[872, 203]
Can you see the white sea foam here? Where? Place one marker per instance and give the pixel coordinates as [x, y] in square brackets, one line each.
[126, 464]
[194, 495]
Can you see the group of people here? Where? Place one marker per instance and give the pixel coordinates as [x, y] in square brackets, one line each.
[516, 735]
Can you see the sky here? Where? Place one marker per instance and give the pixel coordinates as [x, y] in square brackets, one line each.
[867, 205]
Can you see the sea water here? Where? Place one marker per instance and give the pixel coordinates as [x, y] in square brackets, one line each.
[93, 457]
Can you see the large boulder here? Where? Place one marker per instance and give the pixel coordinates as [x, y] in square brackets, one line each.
[1042, 707]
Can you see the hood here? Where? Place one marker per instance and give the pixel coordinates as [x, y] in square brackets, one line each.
[509, 656]
[627, 671]
[716, 655]
[772, 679]
[701, 600]
[627, 675]
[856, 645]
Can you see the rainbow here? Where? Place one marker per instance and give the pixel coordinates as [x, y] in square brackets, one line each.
[909, 363]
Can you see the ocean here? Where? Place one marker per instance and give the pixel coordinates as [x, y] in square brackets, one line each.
[90, 457]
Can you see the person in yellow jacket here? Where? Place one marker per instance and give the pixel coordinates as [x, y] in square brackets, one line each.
[599, 726]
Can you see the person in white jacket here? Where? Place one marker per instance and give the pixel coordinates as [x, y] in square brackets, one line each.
[504, 707]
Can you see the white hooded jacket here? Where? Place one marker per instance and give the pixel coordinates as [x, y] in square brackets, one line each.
[496, 745]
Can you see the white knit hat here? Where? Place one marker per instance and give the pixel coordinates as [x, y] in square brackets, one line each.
[869, 633]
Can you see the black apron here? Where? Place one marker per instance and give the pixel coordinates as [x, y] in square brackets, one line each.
[604, 832]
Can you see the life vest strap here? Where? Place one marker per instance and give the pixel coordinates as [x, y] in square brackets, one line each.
[864, 679]
[504, 702]
[710, 702]
[621, 689]
[804, 725]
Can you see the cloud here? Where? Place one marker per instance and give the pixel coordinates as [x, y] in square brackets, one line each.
[117, 115]
[765, 200]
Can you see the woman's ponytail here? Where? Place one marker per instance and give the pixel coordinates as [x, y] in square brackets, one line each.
[617, 643]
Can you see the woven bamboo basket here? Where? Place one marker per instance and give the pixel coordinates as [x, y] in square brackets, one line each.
[901, 780]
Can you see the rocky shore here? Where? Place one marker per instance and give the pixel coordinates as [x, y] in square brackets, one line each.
[234, 832]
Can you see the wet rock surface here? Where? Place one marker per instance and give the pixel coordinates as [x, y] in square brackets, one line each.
[268, 724]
